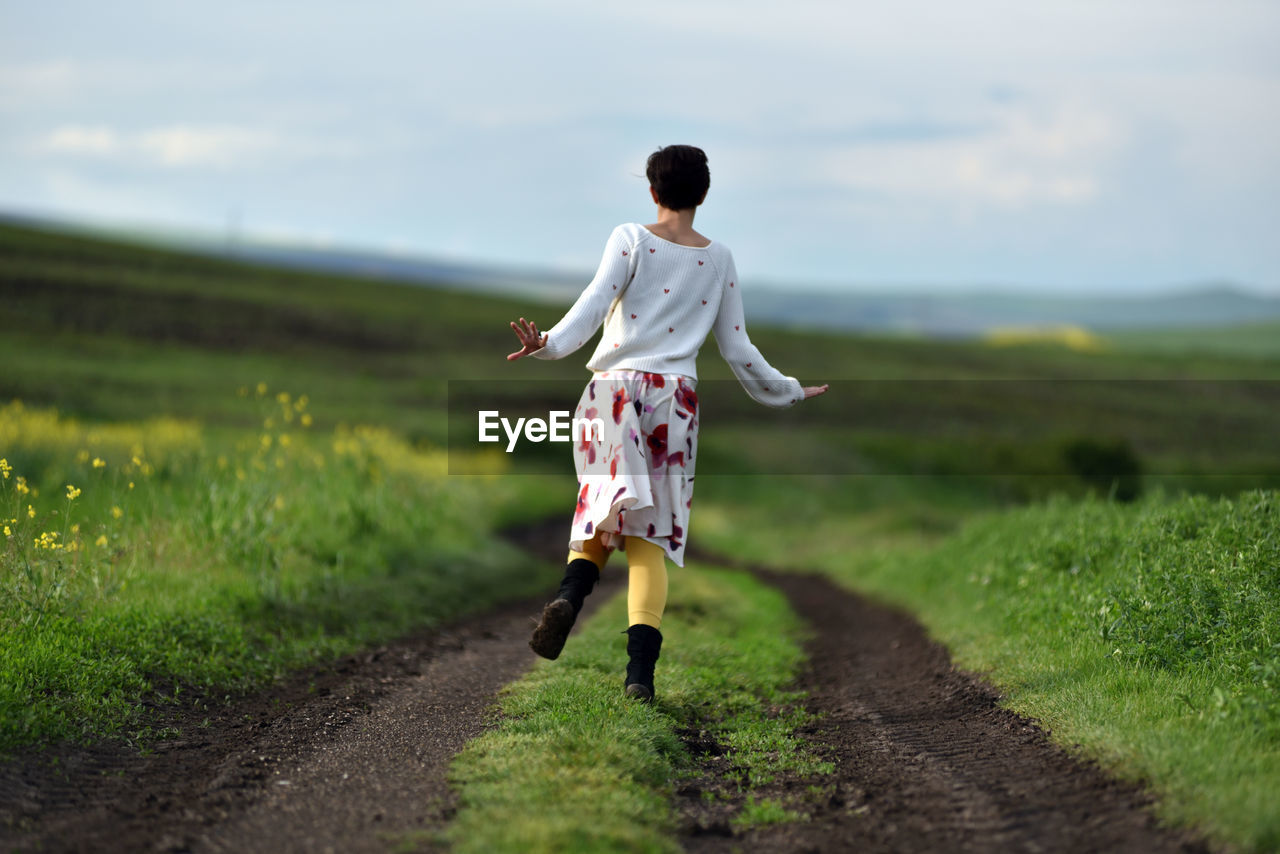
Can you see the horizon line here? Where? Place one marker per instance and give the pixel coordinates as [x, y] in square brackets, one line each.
[206, 240]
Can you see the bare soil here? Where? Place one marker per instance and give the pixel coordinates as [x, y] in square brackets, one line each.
[925, 758]
[353, 756]
[348, 757]
[340, 759]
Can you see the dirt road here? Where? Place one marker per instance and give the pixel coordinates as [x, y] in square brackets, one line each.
[345, 758]
[353, 757]
[924, 758]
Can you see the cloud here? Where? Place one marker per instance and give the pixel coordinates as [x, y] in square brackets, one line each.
[1068, 139]
[75, 139]
[197, 146]
[170, 146]
[1217, 125]
[1021, 158]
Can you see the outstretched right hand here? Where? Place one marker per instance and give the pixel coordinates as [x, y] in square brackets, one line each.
[527, 332]
[815, 390]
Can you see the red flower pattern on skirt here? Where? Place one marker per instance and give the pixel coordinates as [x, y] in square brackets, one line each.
[582, 504]
[657, 442]
[585, 445]
[631, 481]
[686, 397]
[619, 400]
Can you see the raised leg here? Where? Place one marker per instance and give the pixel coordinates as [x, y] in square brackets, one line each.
[558, 617]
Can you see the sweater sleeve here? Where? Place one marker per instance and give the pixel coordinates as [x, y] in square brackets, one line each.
[588, 311]
[761, 380]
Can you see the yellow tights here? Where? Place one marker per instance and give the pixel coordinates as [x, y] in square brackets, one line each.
[647, 577]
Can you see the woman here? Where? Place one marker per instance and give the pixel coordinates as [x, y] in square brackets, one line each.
[659, 289]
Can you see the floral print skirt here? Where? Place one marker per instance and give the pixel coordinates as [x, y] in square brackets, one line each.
[636, 476]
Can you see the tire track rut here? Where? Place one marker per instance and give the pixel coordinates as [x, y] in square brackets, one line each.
[350, 757]
[925, 759]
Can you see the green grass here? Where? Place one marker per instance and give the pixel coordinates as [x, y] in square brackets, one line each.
[106, 331]
[1148, 633]
[1259, 341]
[760, 812]
[220, 563]
[574, 766]
[211, 579]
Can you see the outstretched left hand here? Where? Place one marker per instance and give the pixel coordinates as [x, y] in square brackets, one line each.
[527, 332]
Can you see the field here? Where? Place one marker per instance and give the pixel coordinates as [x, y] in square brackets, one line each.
[219, 477]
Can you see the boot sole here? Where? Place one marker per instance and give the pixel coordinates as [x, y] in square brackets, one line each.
[551, 633]
[636, 691]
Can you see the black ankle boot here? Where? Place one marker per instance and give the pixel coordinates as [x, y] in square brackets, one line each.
[643, 644]
[580, 577]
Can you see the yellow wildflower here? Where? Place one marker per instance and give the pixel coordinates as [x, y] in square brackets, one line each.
[306, 419]
[21, 485]
[285, 439]
[31, 512]
[131, 484]
[72, 493]
[101, 541]
[116, 512]
[8, 532]
[266, 441]
[137, 461]
[262, 389]
[98, 463]
[283, 397]
[82, 456]
[75, 529]
[47, 540]
[301, 402]
[279, 502]
[5, 468]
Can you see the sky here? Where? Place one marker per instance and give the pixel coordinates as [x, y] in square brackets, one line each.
[1060, 146]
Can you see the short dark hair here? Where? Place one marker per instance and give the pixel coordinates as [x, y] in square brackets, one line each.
[680, 175]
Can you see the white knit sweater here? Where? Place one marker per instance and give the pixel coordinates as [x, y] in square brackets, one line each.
[658, 300]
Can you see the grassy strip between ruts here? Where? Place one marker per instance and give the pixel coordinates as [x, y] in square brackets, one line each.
[575, 766]
[1148, 634]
